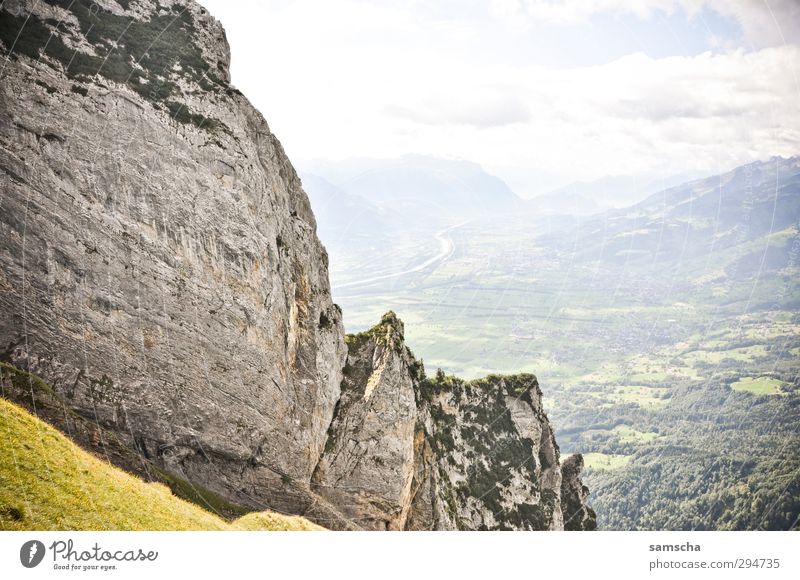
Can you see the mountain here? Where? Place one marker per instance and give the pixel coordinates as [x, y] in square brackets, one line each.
[588, 197]
[381, 218]
[346, 220]
[563, 202]
[161, 274]
[695, 218]
[416, 185]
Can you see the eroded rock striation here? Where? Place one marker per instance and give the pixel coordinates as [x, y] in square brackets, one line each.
[160, 270]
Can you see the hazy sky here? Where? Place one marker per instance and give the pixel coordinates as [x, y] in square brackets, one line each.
[540, 92]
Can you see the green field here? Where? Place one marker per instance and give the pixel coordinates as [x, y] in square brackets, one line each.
[759, 386]
[645, 397]
[604, 461]
[627, 434]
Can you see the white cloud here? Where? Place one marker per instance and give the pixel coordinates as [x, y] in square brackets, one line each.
[574, 11]
[479, 107]
[765, 22]
[350, 78]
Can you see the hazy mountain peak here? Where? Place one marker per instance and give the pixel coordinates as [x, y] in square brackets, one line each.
[447, 187]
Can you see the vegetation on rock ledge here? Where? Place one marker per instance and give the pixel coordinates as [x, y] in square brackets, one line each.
[147, 56]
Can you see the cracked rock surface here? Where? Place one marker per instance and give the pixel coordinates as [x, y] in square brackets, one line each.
[163, 273]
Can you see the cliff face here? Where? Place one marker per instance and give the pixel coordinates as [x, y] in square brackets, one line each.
[574, 496]
[409, 452]
[159, 263]
[159, 268]
[368, 463]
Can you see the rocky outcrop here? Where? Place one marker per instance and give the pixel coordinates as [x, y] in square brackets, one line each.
[495, 462]
[367, 466]
[409, 452]
[574, 496]
[160, 272]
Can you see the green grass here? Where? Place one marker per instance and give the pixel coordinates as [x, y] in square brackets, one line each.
[612, 395]
[627, 434]
[744, 354]
[605, 461]
[49, 483]
[645, 397]
[759, 386]
[272, 521]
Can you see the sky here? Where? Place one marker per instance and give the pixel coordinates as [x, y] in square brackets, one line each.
[541, 93]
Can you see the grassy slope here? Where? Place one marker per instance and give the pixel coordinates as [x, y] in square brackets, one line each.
[48, 482]
[32, 393]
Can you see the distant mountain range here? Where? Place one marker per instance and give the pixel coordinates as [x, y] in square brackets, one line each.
[457, 187]
[702, 217]
[382, 204]
[431, 189]
[413, 186]
[590, 197]
[341, 215]
[389, 212]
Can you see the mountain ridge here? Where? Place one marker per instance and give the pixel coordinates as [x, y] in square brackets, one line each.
[720, 211]
[454, 188]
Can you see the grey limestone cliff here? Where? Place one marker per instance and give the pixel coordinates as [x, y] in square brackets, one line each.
[160, 270]
[406, 451]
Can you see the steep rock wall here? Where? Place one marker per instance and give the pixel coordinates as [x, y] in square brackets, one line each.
[367, 466]
[159, 264]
